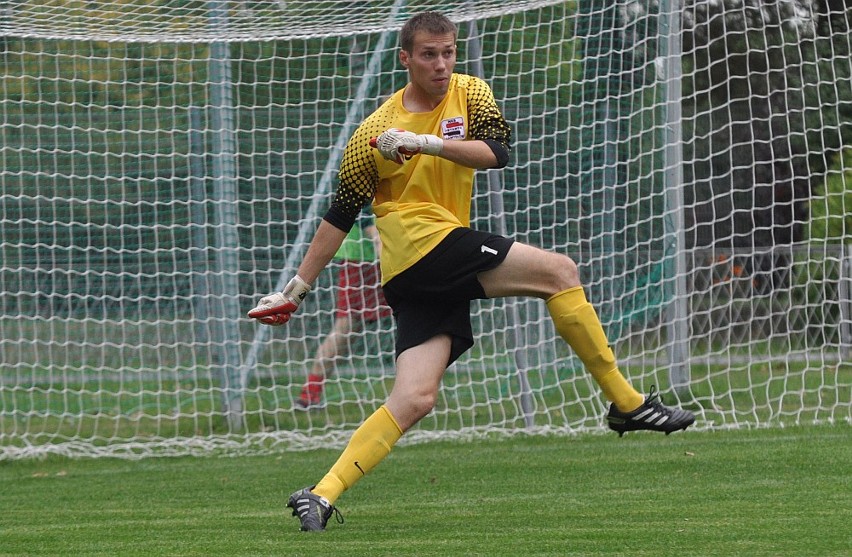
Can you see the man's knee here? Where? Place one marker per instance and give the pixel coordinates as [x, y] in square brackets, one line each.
[564, 272]
[422, 403]
[410, 407]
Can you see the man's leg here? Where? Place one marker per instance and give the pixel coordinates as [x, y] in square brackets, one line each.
[534, 272]
[368, 446]
[578, 324]
[418, 377]
[531, 271]
[334, 346]
[352, 294]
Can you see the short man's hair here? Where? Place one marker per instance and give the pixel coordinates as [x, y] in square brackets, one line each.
[433, 23]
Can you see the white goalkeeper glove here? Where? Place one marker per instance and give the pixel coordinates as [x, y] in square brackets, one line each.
[276, 308]
[399, 145]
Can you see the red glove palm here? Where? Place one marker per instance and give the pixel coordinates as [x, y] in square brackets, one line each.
[277, 308]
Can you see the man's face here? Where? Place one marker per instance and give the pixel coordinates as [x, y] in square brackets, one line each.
[430, 62]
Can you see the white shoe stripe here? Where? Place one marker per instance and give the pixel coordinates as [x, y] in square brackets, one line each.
[652, 417]
[643, 414]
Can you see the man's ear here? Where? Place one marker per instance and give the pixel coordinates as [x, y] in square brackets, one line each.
[403, 58]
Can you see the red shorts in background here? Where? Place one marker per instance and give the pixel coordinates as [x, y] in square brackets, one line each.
[359, 291]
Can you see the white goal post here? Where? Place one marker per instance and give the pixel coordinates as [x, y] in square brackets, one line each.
[162, 166]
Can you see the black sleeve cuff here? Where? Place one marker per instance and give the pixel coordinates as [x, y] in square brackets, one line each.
[339, 219]
[500, 150]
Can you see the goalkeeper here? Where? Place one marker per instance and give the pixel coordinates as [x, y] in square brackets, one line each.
[430, 137]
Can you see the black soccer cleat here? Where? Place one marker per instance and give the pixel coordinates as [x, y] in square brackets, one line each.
[313, 511]
[653, 415]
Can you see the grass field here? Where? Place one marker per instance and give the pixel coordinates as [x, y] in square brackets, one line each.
[784, 491]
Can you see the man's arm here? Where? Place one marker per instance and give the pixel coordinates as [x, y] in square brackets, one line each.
[472, 154]
[325, 244]
[399, 145]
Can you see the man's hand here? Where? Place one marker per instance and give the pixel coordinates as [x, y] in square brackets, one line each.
[276, 308]
[399, 145]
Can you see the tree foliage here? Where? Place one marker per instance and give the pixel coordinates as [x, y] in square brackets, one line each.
[767, 105]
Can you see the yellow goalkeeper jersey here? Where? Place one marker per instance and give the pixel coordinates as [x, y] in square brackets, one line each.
[419, 202]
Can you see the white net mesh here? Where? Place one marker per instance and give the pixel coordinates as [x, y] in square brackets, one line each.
[164, 165]
[217, 20]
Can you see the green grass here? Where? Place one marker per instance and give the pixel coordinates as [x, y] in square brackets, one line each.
[782, 491]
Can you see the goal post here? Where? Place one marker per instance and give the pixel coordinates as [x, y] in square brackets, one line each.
[163, 166]
[675, 289]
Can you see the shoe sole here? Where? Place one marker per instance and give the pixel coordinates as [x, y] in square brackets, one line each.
[622, 430]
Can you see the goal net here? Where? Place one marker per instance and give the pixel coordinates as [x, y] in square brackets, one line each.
[163, 165]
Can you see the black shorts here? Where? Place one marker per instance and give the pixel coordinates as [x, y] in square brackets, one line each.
[433, 296]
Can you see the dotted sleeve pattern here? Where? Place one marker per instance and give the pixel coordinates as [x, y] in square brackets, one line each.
[486, 120]
[358, 175]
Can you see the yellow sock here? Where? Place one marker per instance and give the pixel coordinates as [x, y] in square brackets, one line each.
[578, 323]
[369, 445]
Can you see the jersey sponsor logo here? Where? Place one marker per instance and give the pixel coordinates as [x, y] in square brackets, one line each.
[453, 128]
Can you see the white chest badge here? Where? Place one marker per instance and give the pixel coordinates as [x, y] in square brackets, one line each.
[453, 128]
